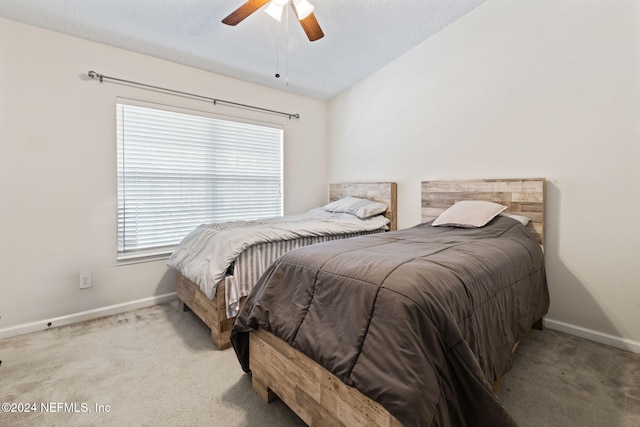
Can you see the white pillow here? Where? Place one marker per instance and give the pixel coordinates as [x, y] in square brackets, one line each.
[362, 208]
[523, 219]
[468, 214]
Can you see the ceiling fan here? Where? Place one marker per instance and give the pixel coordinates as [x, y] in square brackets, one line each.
[302, 8]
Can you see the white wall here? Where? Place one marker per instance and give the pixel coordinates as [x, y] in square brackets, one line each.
[58, 170]
[545, 88]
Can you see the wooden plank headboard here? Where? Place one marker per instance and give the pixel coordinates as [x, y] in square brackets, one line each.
[384, 192]
[522, 196]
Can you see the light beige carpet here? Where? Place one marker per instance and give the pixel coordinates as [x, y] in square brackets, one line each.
[157, 367]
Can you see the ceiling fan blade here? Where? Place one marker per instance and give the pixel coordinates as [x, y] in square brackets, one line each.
[311, 27]
[243, 11]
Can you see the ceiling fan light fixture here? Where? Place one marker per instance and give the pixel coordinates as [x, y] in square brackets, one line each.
[303, 8]
[274, 9]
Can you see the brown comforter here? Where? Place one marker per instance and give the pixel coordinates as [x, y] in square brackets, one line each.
[422, 320]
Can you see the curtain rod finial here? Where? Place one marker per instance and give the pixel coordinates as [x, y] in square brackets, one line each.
[95, 75]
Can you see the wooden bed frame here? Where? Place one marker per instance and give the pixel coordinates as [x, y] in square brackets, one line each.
[213, 312]
[314, 393]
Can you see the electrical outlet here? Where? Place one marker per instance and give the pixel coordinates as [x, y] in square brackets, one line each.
[85, 279]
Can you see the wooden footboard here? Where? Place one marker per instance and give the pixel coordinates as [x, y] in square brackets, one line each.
[211, 312]
[317, 396]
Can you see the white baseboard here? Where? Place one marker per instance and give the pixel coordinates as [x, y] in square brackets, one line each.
[599, 337]
[82, 316]
[589, 334]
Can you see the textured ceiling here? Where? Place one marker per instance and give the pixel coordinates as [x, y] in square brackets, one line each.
[361, 36]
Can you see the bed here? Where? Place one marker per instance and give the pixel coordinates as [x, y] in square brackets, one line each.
[215, 299]
[413, 327]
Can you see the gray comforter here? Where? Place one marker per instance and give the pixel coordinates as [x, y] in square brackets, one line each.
[422, 320]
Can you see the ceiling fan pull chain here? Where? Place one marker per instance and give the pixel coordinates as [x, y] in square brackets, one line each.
[286, 46]
[277, 32]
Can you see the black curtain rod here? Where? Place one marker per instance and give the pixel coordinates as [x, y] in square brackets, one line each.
[102, 77]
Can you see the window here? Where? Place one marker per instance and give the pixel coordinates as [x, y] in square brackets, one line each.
[179, 169]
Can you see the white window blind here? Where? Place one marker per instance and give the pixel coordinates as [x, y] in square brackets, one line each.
[178, 170]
